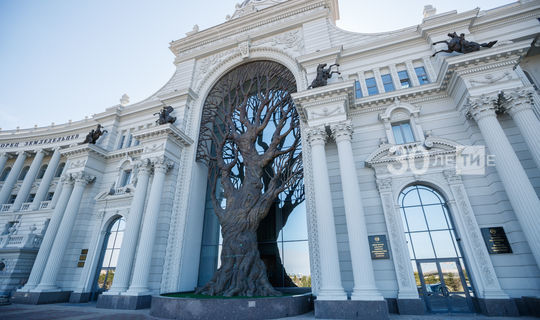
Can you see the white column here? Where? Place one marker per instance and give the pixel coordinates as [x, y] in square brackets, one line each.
[131, 235]
[48, 280]
[48, 239]
[3, 159]
[364, 278]
[519, 189]
[12, 177]
[26, 186]
[46, 180]
[378, 79]
[330, 286]
[395, 76]
[141, 271]
[520, 108]
[363, 87]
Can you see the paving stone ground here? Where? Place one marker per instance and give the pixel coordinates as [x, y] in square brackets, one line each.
[87, 311]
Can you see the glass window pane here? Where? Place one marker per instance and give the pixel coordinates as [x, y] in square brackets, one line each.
[101, 278]
[431, 275]
[114, 258]
[435, 217]
[122, 224]
[110, 241]
[409, 245]
[407, 132]
[415, 219]
[371, 85]
[422, 245]
[411, 197]
[421, 74]
[208, 263]
[296, 262]
[358, 89]
[428, 196]
[452, 279]
[387, 82]
[444, 247]
[296, 227]
[107, 258]
[404, 79]
[397, 135]
[119, 238]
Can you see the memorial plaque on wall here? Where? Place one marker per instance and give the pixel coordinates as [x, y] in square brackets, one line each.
[496, 241]
[378, 246]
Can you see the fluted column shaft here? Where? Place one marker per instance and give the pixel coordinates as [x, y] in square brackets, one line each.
[519, 189]
[141, 271]
[364, 278]
[48, 280]
[131, 235]
[520, 108]
[330, 286]
[22, 195]
[46, 180]
[3, 159]
[48, 239]
[12, 177]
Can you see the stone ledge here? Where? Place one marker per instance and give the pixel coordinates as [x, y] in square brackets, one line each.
[123, 302]
[40, 297]
[241, 308]
[351, 309]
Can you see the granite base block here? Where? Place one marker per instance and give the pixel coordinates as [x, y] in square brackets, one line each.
[124, 302]
[79, 297]
[531, 306]
[40, 297]
[351, 309]
[225, 309]
[497, 307]
[411, 306]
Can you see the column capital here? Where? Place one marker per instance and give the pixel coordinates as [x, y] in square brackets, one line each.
[82, 178]
[162, 164]
[384, 185]
[342, 131]
[517, 100]
[316, 135]
[144, 166]
[479, 107]
[66, 178]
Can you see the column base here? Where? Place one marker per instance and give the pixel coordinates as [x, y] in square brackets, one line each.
[40, 297]
[351, 309]
[80, 297]
[411, 306]
[496, 307]
[528, 306]
[124, 302]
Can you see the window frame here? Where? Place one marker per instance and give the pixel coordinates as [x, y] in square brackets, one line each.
[402, 132]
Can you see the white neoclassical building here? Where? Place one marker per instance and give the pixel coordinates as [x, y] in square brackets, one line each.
[421, 172]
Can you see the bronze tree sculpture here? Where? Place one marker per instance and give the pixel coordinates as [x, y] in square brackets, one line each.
[250, 141]
[459, 44]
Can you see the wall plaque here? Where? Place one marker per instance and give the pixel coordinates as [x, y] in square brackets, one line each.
[378, 246]
[82, 258]
[496, 241]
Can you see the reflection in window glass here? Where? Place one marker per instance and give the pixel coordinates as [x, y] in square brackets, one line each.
[5, 173]
[387, 83]
[371, 85]
[402, 133]
[358, 89]
[404, 79]
[112, 245]
[422, 75]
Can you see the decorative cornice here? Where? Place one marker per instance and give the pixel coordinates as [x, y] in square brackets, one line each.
[84, 149]
[163, 131]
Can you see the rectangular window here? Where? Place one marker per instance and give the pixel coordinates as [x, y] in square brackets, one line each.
[31, 197]
[126, 178]
[128, 143]
[402, 133]
[371, 85]
[387, 83]
[49, 196]
[121, 143]
[12, 198]
[404, 79]
[358, 89]
[421, 74]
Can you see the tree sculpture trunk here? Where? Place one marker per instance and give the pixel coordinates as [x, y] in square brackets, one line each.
[250, 140]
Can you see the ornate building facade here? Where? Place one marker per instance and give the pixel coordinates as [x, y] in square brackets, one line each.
[421, 172]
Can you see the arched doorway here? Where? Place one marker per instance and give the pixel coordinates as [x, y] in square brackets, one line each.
[439, 268]
[109, 256]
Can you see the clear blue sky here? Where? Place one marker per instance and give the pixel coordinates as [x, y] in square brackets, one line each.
[66, 59]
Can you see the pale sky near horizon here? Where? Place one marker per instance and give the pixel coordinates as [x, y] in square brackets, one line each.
[62, 59]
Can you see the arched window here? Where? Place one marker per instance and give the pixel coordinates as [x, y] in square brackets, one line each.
[24, 172]
[436, 258]
[42, 171]
[5, 173]
[109, 255]
[60, 169]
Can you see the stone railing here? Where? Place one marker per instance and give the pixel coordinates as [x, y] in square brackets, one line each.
[29, 241]
[120, 191]
[25, 206]
[44, 205]
[5, 207]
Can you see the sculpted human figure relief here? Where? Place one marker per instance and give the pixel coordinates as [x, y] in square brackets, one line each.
[459, 44]
[93, 136]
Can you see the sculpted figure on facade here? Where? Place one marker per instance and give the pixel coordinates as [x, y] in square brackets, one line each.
[94, 134]
[459, 44]
[165, 115]
[323, 74]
